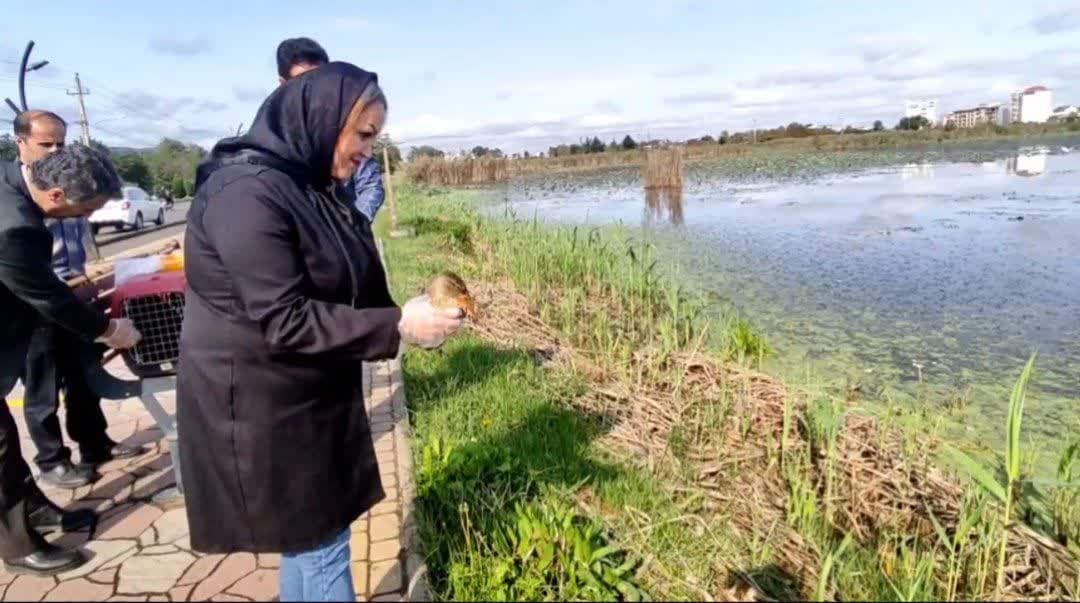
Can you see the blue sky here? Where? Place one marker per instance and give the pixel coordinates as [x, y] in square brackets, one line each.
[525, 74]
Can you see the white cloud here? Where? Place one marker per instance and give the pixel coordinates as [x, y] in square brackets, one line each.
[250, 94]
[1058, 20]
[881, 47]
[601, 120]
[181, 47]
[698, 98]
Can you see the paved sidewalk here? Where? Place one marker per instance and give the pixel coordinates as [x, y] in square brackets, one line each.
[140, 549]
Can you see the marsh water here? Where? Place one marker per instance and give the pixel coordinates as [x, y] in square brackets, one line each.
[926, 279]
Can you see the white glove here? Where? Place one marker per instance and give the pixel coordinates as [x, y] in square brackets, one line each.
[425, 325]
[121, 334]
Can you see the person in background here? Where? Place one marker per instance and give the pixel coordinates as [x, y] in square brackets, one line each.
[53, 360]
[297, 56]
[71, 182]
[287, 297]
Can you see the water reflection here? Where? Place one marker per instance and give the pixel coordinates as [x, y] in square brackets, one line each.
[1027, 164]
[664, 205]
[913, 171]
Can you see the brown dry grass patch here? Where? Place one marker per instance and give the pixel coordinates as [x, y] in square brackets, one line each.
[881, 488]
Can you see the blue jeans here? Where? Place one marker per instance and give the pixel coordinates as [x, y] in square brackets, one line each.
[321, 574]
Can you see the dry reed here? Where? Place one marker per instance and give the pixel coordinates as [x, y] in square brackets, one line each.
[880, 487]
[458, 172]
[664, 168]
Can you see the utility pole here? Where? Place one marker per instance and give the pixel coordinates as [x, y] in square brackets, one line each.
[79, 92]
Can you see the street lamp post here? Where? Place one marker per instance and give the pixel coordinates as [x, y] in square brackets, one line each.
[24, 68]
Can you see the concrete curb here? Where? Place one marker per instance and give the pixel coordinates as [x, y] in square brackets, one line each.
[138, 233]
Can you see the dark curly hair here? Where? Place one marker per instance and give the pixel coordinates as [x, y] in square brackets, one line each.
[299, 51]
[83, 173]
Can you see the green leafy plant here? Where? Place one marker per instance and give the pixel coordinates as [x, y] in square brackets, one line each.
[554, 551]
[821, 592]
[1006, 492]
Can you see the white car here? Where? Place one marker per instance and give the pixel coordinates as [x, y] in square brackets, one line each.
[133, 210]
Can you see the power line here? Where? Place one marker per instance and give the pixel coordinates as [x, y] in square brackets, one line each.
[126, 137]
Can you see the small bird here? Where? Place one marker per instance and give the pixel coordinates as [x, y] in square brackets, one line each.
[448, 290]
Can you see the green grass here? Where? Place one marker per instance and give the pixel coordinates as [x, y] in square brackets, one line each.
[498, 448]
[517, 498]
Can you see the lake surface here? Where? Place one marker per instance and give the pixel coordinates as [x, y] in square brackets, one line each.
[920, 282]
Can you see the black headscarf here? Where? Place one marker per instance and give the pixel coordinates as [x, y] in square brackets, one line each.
[298, 125]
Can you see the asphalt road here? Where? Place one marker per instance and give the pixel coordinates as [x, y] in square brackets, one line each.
[111, 242]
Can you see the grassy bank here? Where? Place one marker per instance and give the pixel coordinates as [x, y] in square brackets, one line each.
[597, 434]
[471, 171]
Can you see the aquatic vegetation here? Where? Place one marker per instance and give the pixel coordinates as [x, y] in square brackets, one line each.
[708, 478]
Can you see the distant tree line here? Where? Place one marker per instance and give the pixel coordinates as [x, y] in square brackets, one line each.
[592, 145]
[166, 169]
[917, 122]
[8, 150]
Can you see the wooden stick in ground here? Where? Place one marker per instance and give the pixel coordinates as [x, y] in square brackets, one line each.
[389, 189]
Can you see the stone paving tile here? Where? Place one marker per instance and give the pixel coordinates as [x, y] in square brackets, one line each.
[385, 577]
[261, 585]
[152, 573]
[104, 576]
[200, 570]
[103, 552]
[128, 521]
[80, 589]
[180, 593]
[385, 550]
[140, 551]
[171, 526]
[229, 572]
[29, 588]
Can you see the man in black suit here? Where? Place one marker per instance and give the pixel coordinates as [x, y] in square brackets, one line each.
[72, 182]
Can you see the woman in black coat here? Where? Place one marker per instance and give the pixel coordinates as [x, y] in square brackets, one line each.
[286, 297]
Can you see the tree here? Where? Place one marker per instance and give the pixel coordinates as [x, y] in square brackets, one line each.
[425, 151]
[179, 186]
[133, 170]
[172, 161]
[482, 151]
[878, 126]
[392, 151]
[723, 137]
[628, 143]
[8, 150]
[99, 146]
[917, 122]
[596, 145]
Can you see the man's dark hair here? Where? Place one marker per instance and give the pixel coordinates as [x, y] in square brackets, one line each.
[25, 120]
[299, 51]
[82, 172]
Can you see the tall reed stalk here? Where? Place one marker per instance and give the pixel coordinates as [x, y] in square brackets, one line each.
[664, 168]
[1008, 492]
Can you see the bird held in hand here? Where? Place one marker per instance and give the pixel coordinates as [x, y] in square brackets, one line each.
[448, 290]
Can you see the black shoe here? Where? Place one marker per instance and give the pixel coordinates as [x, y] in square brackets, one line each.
[116, 451]
[50, 518]
[66, 475]
[47, 562]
